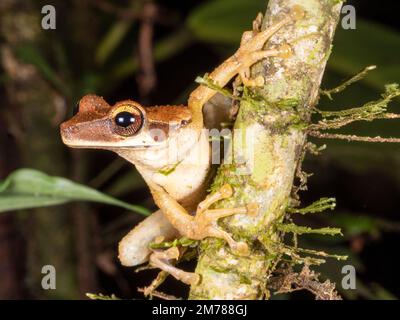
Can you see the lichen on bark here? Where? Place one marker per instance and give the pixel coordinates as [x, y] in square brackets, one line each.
[262, 166]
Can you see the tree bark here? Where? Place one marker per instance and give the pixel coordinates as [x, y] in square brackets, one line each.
[263, 168]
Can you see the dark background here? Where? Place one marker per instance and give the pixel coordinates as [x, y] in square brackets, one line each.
[43, 74]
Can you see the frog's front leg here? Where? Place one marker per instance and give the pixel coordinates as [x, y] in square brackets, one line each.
[249, 52]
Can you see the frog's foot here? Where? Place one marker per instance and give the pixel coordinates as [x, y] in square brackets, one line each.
[249, 52]
[206, 219]
[162, 260]
[248, 58]
[252, 42]
[148, 291]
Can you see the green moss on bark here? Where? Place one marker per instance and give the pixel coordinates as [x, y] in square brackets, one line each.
[262, 168]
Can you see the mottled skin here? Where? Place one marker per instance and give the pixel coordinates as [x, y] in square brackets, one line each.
[156, 133]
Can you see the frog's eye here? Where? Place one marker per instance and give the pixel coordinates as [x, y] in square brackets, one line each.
[128, 122]
[125, 119]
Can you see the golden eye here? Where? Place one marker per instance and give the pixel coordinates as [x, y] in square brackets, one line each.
[128, 122]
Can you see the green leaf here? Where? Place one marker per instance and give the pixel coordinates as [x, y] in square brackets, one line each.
[224, 21]
[111, 40]
[31, 54]
[163, 49]
[28, 188]
[125, 183]
[356, 224]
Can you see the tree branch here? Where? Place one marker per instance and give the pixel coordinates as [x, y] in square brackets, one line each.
[276, 128]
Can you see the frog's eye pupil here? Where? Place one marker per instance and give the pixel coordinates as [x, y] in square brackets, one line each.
[125, 119]
[128, 123]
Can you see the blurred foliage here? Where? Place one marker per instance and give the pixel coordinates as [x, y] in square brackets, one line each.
[223, 21]
[94, 50]
[27, 188]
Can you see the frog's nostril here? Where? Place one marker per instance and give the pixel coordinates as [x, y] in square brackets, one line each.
[67, 129]
[63, 126]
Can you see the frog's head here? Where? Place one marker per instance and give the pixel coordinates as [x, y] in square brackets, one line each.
[127, 127]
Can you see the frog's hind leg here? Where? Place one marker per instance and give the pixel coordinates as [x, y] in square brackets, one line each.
[206, 219]
[133, 249]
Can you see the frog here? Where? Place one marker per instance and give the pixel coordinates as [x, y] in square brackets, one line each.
[170, 148]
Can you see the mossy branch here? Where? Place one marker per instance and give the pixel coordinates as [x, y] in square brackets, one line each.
[368, 112]
[183, 242]
[317, 206]
[100, 296]
[206, 81]
[276, 117]
[352, 137]
[293, 228]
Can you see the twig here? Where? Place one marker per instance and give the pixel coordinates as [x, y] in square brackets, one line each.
[161, 16]
[308, 280]
[291, 227]
[160, 295]
[147, 76]
[340, 122]
[368, 112]
[345, 84]
[320, 135]
[318, 206]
